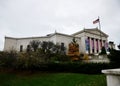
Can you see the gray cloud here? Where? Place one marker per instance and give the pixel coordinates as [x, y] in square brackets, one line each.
[23, 18]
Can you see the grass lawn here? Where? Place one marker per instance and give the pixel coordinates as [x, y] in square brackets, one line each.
[51, 79]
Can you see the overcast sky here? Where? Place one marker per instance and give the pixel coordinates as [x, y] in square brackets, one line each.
[26, 18]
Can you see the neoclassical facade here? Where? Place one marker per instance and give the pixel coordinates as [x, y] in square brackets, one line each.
[90, 41]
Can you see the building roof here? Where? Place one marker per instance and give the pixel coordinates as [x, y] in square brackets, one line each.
[47, 36]
[26, 37]
[92, 31]
[64, 34]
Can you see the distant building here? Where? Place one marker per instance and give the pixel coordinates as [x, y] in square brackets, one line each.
[90, 41]
[111, 45]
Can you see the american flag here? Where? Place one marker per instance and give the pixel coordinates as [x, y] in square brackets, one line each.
[96, 21]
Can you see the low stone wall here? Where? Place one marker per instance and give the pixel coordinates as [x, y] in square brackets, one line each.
[98, 59]
[113, 77]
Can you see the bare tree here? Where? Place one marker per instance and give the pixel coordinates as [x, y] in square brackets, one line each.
[35, 44]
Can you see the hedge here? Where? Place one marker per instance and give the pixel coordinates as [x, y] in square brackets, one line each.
[37, 62]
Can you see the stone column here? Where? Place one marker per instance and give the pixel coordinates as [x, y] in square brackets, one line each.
[102, 43]
[93, 45]
[99, 49]
[90, 45]
[97, 46]
[95, 50]
[105, 44]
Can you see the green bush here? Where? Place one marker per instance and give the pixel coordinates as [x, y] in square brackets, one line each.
[103, 51]
[55, 63]
[114, 58]
[8, 59]
[60, 58]
[29, 61]
[76, 67]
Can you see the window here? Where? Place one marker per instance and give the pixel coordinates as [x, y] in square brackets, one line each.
[21, 48]
[62, 46]
[28, 48]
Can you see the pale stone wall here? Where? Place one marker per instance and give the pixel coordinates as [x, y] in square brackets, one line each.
[15, 43]
[10, 44]
[53, 39]
[26, 41]
[67, 40]
[82, 42]
[83, 45]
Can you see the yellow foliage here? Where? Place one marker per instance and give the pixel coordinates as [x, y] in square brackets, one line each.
[73, 51]
[86, 57]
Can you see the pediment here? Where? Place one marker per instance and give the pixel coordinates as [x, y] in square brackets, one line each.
[96, 32]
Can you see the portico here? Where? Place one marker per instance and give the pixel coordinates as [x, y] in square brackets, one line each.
[94, 40]
[95, 45]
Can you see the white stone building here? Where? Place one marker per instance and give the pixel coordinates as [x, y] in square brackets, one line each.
[89, 40]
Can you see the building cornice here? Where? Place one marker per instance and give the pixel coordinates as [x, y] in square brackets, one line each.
[26, 37]
[47, 36]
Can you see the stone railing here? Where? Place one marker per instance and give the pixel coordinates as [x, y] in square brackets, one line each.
[113, 77]
[98, 59]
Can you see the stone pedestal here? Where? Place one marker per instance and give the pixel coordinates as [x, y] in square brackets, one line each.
[113, 77]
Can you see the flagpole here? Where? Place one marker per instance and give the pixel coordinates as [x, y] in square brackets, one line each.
[99, 23]
[100, 30]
